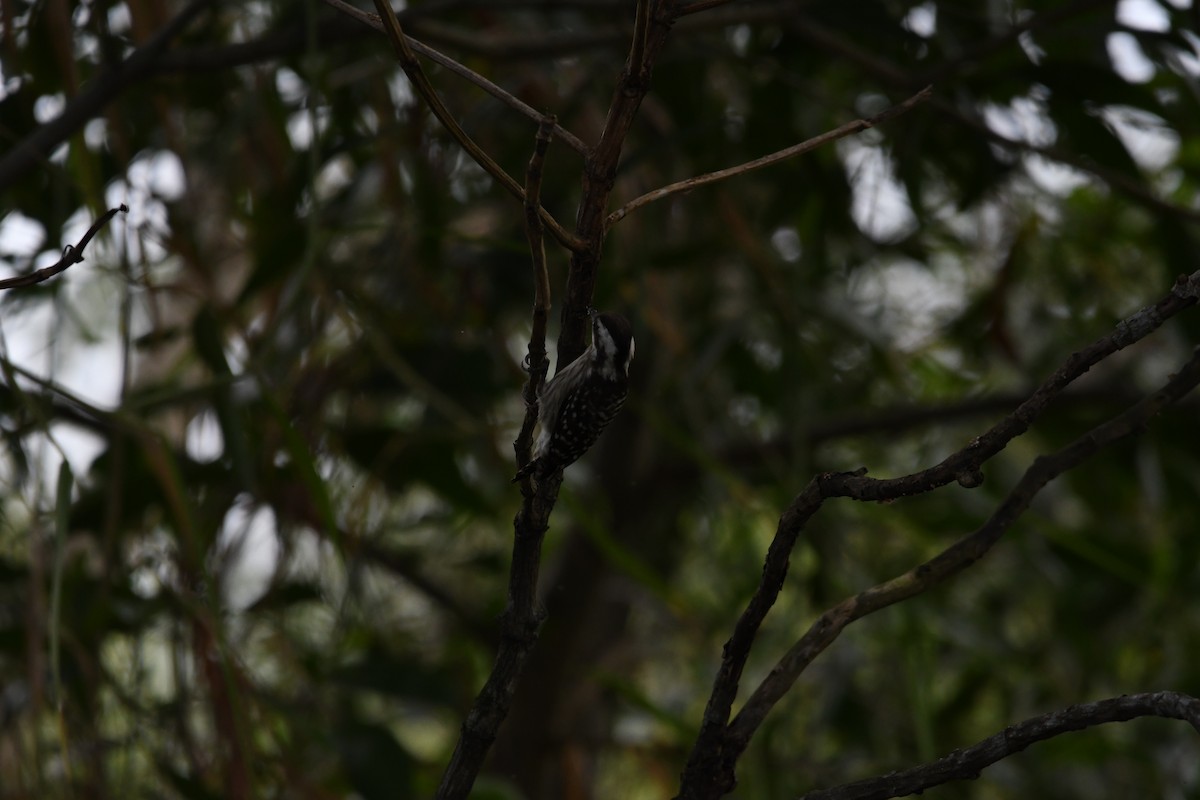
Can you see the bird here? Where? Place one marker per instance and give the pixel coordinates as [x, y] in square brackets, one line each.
[579, 402]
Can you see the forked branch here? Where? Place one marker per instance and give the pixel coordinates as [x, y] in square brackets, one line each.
[714, 755]
[960, 555]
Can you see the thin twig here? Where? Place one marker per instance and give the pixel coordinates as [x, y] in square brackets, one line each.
[967, 763]
[839, 132]
[416, 75]
[73, 254]
[535, 361]
[436, 56]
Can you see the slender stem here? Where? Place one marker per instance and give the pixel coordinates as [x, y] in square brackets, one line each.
[536, 360]
[839, 132]
[71, 256]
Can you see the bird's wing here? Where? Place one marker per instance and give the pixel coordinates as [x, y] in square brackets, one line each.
[552, 396]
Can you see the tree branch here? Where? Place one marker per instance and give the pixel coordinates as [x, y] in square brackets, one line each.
[151, 61]
[412, 68]
[535, 360]
[961, 554]
[522, 617]
[518, 632]
[711, 762]
[71, 255]
[444, 60]
[37, 147]
[600, 173]
[967, 763]
[839, 132]
[637, 52]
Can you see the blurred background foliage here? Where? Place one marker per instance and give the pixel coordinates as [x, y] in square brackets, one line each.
[287, 382]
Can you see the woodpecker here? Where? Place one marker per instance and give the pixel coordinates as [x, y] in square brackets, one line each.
[577, 404]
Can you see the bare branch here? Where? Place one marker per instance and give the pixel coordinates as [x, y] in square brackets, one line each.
[522, 617]
[412, 68]
[718, 745]
[545, 43]
[966, 764]
[637, 51]
[599, 176]
[961, 554]
[535, 361]
[71, 256]
[839, 132]
[373, 21]
[962, 465]
[518, 632]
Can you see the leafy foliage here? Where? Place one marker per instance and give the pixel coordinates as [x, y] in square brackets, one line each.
[288, 380]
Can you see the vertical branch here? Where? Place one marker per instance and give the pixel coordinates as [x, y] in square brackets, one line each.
[652, 27]
[535, 361]
[637, 53]
[522, 617]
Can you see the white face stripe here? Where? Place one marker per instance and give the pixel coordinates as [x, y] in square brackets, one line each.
[603, 339]
[629, 360]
